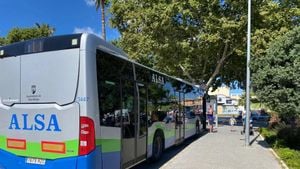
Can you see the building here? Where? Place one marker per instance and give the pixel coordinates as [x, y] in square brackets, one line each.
[227, 102]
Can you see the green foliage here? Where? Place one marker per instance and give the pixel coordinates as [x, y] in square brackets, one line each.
[255, 102]
[272, 19]
[191, 33]
[270, 135]
[290, 156]
[2, 41]
[197, 34]
[276, 76]
[290, 137]
[282, 136]
[99, 3]
[21, 34]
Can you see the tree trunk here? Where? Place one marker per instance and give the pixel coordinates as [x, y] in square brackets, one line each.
[103, 19]
[218, 68]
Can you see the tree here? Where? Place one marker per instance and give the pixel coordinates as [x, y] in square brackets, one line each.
[205, 38]
[2, 41]
[101, 4]
[276, 76]
[21, 34]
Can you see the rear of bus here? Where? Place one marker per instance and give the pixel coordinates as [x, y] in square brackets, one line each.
[41, 125]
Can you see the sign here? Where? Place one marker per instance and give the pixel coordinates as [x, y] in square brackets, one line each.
[230, 110]
[38, 123]
[156, 78]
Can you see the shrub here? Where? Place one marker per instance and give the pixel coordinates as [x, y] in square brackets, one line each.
[270, 135]
[274, 120]
[289, 136]
[281, 146]
[291, 157]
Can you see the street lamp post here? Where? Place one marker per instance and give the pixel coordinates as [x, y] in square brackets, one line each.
[247, 132]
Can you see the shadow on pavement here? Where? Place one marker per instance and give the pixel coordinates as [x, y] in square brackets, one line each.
[168, 154]
[174, 150]
[263, 144]
[254, 139]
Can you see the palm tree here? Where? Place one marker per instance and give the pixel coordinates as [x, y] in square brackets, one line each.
[45, 30]
[101, 3]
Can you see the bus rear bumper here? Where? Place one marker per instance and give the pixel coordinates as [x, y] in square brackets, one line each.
[90, 161]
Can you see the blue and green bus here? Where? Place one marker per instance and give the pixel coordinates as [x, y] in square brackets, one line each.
[75, 102]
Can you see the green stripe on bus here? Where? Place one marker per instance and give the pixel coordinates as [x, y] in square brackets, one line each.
[109, 145]
[168, 132]
[34, 149]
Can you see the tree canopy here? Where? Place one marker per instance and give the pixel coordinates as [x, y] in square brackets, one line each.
[21, 34]
[276, 76]
[2, 41]
[206, 38]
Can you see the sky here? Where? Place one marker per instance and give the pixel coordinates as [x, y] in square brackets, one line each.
[66, 16]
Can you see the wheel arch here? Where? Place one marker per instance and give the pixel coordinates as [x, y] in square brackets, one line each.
[161, 133]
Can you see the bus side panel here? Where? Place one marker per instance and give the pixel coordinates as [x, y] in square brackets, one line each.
[190, 127]
[90, 161]
[110, 142]
[110, 160]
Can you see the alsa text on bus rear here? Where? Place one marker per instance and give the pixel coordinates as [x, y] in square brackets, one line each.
[39, 123]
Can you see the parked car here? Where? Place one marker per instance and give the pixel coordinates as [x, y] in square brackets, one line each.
[254, 115]
[260, 116]
[264, 117]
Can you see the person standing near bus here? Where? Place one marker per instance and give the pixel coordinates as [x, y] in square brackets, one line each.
[210, 117]
[198, 119]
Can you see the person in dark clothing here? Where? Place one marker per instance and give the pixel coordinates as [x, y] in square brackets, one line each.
[210, 117]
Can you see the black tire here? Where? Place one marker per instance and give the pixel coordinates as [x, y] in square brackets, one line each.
[157, 147]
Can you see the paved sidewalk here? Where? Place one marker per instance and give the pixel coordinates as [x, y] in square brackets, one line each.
[224, 150]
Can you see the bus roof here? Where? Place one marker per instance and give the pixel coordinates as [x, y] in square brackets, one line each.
[41, 45]
[58, 43]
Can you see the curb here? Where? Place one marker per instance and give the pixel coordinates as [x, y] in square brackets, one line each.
[275, 154]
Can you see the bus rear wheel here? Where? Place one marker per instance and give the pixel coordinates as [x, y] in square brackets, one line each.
[157, 148]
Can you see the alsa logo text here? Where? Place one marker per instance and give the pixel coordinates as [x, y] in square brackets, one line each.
[38, 122]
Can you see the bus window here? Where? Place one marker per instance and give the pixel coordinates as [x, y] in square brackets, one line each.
[108, 89]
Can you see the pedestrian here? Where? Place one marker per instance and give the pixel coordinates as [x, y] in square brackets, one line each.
[197, 114]
[244, 122]
[210, 117]
[232, 122]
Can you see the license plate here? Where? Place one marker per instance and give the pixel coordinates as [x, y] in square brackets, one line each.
[36, 161]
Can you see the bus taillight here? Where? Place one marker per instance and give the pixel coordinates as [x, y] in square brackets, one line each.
[86, 136]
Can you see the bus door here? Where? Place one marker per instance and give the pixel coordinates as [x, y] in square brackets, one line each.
[128, 142]
[179, 119]
[134, 123]
[142, 121]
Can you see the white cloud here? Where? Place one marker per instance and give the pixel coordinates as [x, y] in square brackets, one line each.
[84, 30]
[90, 2]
